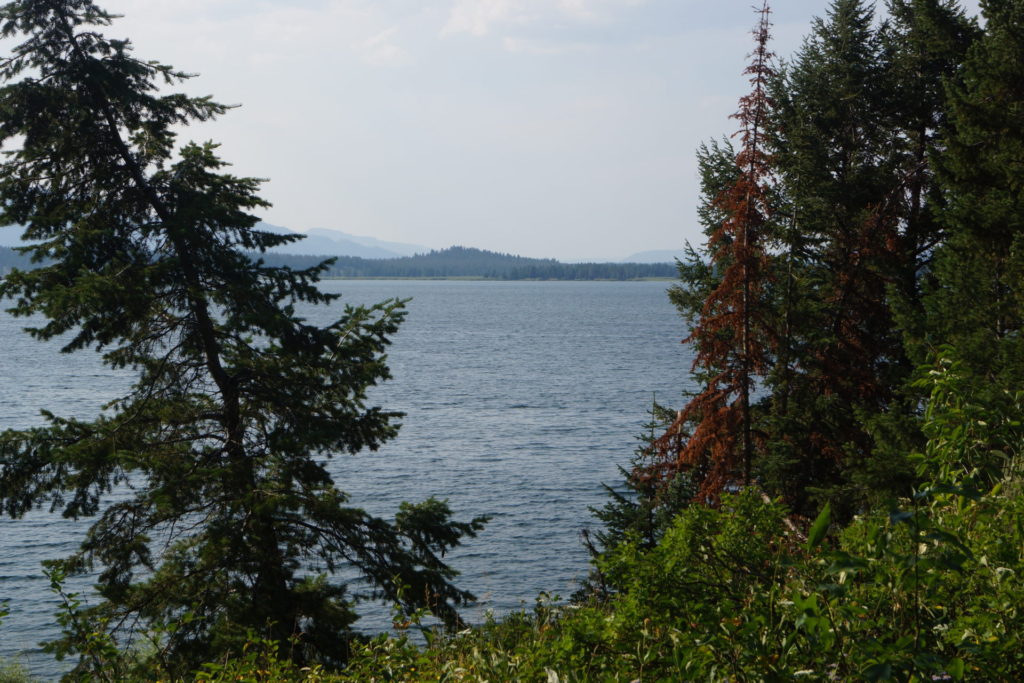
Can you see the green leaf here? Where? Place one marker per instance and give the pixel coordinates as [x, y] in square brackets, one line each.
[817, 532]
[878, 672]
[956, 668]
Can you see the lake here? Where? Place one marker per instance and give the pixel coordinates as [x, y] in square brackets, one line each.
[521, 399]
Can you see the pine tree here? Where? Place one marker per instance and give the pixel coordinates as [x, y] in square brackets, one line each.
[230, 520]
[712, 439]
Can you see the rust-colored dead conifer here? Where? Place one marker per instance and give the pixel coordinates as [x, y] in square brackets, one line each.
[732, 338]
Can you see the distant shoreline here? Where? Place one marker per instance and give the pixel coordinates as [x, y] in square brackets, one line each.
[475, 278]
[454, 263]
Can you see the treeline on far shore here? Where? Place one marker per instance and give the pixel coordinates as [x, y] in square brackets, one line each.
[454, 262]
[475, 263]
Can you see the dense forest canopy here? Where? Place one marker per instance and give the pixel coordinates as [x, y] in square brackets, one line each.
[852, 178]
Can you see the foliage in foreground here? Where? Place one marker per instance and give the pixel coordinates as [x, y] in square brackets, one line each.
[929, 589]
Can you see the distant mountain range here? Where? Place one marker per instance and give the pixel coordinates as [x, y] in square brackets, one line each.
[454, 262]
[320, 242]
[656, 256]
[323, 242]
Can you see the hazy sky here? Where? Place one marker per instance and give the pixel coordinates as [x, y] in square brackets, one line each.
[561, 128]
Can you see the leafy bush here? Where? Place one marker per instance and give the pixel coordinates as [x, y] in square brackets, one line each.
[928, 589]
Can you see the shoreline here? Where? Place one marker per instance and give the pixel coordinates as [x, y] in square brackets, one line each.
[476, 278]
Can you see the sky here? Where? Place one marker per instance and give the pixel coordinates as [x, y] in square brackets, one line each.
[546, 128]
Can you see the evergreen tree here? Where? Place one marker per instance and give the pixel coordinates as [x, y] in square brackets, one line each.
[230, 520]
[851, 142]
[712, 439]
[840, 355]
[975, 300]
[924, 45]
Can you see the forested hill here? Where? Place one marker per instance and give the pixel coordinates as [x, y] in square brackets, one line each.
[452, 262]
[476, 263]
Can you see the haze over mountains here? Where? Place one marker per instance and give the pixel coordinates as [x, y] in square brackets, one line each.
[325, 242]
[655, 256]
[320, 241]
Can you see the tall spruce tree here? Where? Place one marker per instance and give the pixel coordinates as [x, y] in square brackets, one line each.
[924, 44]
[975, 300]
[840, 352]
[712, 439]
[229, 519]
[851, 145]
[856, 134]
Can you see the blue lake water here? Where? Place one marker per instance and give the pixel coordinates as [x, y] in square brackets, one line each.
[521, 398]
